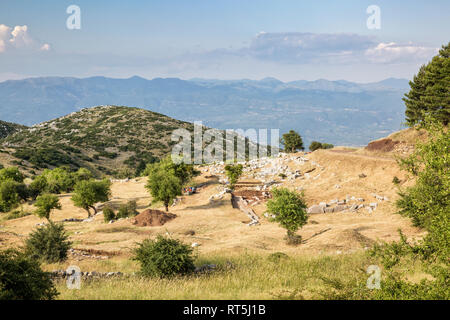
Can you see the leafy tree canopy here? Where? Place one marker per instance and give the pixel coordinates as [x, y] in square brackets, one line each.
[289, 210]
[292, 141]
[89, 192]
[163, 184]
[45, 204]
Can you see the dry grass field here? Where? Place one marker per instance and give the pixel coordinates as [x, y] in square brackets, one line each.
[333, 243]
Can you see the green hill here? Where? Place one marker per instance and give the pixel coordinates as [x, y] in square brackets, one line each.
[104, 139]
[8, 128]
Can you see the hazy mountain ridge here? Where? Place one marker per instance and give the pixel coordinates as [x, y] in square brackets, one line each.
[339, 112]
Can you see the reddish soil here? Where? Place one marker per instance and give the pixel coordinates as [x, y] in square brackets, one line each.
[153, 218]
[384, 145]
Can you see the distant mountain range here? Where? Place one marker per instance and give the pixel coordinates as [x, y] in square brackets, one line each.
[338, 112]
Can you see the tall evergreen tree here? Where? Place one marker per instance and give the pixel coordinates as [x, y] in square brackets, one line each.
[430, 90]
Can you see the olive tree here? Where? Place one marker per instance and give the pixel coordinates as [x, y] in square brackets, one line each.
[288, 208]
[292, 141]
[89, 192]
[163, 185]
[45, 204]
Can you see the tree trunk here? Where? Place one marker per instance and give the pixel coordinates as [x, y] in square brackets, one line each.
[166, 204]
[89, 213]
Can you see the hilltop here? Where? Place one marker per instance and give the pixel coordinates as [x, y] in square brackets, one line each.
[8, 128]
[103, 139]
[337, 112]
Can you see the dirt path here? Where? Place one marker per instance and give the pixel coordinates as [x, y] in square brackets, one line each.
[363, 156]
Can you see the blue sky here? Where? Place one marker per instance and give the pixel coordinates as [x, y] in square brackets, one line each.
[224, 39]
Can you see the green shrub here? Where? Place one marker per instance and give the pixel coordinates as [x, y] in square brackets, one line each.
[108, 214]
[164, 257]
[327, 146]
[10, 195]
[58, 180]
[396, 180]
[316, 145]
[37, 186]
[48, 243]
[21, 278]
[82, 174]
[233, 173]
[43, 157]
[16, 214]
[11, 173]
[127, 210]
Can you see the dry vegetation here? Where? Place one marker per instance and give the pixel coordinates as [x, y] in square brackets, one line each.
[333, 244]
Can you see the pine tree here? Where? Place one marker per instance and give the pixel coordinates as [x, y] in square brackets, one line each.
[430, 90]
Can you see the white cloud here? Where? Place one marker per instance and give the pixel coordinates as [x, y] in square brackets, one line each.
[5, 32]
[297, 48]
[19, 38]
[45, 47]
[393, 52]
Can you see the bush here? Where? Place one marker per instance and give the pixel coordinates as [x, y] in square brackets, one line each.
[127, 210]
[11, 173]
[164, 257]
[396, 180]
[108, 214]
[48, 243]
[315, 145]
[233, 173]
[58, 180]
[10, 195]
[82, 174]
[37, 187]
[21, 278]
[327, 146]
[16, 214]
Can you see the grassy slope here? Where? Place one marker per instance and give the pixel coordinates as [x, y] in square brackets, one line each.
[102, 139]
[8, 128]
[251, 276]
